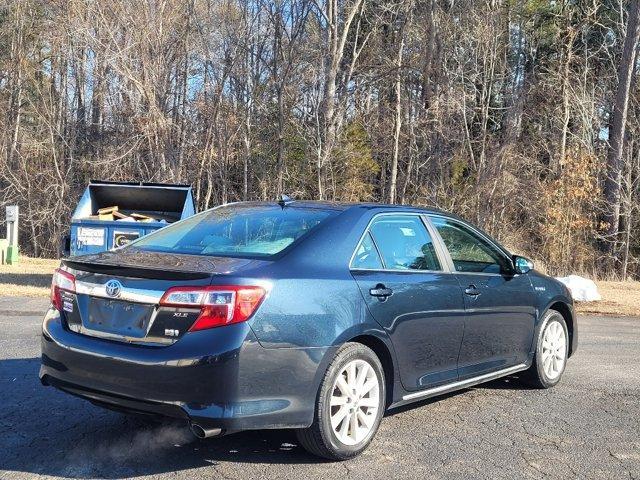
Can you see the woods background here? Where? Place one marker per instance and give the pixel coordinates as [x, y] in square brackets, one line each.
[520, 115]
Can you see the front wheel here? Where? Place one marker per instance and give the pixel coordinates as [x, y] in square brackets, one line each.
[349, 406]
[552, 350]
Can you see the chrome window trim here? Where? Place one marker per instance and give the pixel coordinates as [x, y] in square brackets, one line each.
[428, 227]
[389, 270]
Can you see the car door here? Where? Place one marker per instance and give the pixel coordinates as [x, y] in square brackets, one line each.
[500, 305]
[402, 276]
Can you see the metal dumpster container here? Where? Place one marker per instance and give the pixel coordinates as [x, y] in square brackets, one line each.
[141, 208]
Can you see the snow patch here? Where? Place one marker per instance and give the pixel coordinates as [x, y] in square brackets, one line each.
[582, 289]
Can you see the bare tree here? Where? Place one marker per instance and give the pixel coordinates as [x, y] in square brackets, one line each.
[337, 19]
[497, 110]
[626, 71]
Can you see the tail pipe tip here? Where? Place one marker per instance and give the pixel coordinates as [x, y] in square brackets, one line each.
[202, 432]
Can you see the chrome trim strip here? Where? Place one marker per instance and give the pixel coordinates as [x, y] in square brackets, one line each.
[390, 270]
[152, 341]
[137, 295]
[465, 383]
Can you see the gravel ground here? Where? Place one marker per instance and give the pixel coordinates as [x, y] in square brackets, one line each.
[586, 427]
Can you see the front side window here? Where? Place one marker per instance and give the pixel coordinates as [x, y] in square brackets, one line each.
[469, 252]
[236, 230]
[404, 243]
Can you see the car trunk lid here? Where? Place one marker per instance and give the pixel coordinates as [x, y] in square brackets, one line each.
[118, 295]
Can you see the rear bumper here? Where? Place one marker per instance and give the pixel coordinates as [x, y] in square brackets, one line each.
[219, 378]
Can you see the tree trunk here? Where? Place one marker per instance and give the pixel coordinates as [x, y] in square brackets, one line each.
[398, 121]
[429, 53]
[612, 184]
[566, 103]
[336, 41]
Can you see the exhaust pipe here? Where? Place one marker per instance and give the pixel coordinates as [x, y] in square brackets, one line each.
[202, 432]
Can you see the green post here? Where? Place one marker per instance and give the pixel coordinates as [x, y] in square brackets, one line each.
[12, 234]
[12, 255]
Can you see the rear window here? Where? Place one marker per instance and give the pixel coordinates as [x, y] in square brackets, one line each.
[236, 230]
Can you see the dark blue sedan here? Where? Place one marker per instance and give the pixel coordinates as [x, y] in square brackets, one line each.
[307, 315]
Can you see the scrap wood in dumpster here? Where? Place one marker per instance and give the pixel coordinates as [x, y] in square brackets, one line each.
[114, 213]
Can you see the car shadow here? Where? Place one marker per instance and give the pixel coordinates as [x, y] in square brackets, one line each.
[425, 402]
[512, 382]
[47, 432]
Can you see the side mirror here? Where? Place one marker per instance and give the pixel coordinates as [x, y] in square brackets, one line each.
[522, 264]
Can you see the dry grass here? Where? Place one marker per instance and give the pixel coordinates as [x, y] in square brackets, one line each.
[618, 298]
[32, 278]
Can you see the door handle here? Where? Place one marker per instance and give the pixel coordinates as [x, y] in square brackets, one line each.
[472, 291]
[381, 292]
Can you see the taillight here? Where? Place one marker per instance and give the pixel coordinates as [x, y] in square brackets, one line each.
[219, 305]
[61, 281]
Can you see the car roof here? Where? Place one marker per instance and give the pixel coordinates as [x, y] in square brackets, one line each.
[325, 204]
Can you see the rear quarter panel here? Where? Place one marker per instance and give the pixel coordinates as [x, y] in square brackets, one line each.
[305, 312]
[314, 301]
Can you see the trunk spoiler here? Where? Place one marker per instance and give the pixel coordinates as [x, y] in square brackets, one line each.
[134, 271]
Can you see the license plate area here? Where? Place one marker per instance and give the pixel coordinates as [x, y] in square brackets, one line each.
[119, 317]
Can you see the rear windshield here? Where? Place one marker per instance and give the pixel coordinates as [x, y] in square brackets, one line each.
[236, 230]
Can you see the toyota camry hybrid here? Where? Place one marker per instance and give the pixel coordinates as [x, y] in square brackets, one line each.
[314, 316]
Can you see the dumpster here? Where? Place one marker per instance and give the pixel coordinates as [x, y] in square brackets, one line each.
[112, 214]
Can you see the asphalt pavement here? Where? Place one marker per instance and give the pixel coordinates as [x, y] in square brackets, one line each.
[586, 427]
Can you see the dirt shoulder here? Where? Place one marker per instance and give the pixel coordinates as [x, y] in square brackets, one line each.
[618, 298]
[32, 278]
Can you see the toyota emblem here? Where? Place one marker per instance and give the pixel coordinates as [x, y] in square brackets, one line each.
[113, 288]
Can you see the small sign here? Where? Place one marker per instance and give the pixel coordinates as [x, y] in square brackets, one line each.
[91, 236]
[120, 239]
[12, 213]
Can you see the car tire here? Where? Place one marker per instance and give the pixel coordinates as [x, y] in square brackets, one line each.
[351, 394]
[552, 350]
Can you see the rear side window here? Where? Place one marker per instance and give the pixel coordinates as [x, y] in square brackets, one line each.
[237, 230]
[366, 256]
[404, 243]
[469, 252]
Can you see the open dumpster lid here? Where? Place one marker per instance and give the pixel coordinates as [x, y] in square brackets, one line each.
[168, 201]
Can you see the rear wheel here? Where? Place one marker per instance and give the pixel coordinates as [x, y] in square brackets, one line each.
[552, 349]
[349, 406]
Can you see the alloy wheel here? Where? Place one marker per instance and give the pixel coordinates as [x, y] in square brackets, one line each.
[355, 400]
[554, 350]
